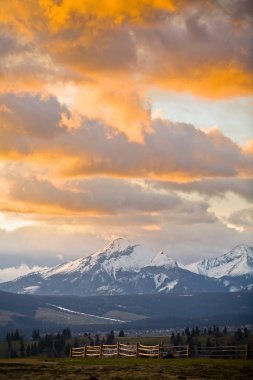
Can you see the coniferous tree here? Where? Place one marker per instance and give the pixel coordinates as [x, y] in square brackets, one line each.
[67, 349]
[238, 334]
[13, 353]
[76, 344]
[245, 332]
[110, 338]
[67, 333]
[178, 339]
[173, 339]
[16, 335]
[21, 349]
[41, 345]
[36, 334]
[28, 350]
[97, 340]
[8, 340]
[208, 342]
[187, 331]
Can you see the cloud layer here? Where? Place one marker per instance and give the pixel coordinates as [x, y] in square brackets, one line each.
[114, 52]
[81, 154]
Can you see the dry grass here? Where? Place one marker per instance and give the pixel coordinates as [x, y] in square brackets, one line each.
[126, 369]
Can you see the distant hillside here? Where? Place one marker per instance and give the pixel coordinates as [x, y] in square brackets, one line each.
[127, 312]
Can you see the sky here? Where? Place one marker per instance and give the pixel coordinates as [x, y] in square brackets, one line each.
[125, 119]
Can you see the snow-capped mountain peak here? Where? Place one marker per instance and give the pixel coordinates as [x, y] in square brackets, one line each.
[241, 251]
[163, 259]
[125, 268]
[117, 245]
[119, 254]
[237, 262]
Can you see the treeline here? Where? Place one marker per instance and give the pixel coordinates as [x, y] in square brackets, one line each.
[214, 336]
[59, 344]
[52, 345]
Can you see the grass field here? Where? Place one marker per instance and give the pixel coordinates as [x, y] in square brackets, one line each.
[125, 369]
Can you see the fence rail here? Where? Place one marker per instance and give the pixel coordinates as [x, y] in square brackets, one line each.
[240, 352]
[158, 351]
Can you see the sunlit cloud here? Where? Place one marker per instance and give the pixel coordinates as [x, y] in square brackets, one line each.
[41, 129]
[125, 119]
[114, 52]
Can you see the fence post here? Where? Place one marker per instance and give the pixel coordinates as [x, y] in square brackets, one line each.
[70, 352]
[85, 351]
[101, 351]
[246, 352]
[137, 350]
[159, 351]
[187, 351]
[118, 350]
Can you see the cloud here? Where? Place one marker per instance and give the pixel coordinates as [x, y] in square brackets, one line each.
[79, 151]
[8, 274]
[27, 119]
[242, 219]
[115, 52]
[212, 187]
[100, 197]
[43, 130]
[172, 150]
[76, 236]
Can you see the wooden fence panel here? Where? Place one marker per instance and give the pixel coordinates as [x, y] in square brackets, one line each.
[158, 351]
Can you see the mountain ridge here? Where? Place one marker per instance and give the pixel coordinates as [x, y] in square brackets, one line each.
[237, 262]
[122, 267]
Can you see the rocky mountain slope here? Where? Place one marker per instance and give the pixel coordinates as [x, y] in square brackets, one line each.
[125, 268]
[235, 268]
[237, 262]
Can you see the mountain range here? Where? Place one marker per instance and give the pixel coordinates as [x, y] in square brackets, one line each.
[124, 268]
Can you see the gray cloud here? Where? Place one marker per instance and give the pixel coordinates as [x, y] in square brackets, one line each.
[32, 125]
[212, 187]
[242, 218]
[104, 196]
[172, 148]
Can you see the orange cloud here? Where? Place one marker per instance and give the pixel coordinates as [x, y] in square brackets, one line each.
[210, 81]
[248, 148]
[113, 52]
[43, 131]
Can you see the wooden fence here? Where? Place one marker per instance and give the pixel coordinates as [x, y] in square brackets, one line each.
[233, 352]
[120, 350]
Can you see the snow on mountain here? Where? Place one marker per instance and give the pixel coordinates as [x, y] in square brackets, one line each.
[163, 259]
[10, 273]
[125, 268]
[120, 254]
[168, 287]
[237, 262]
